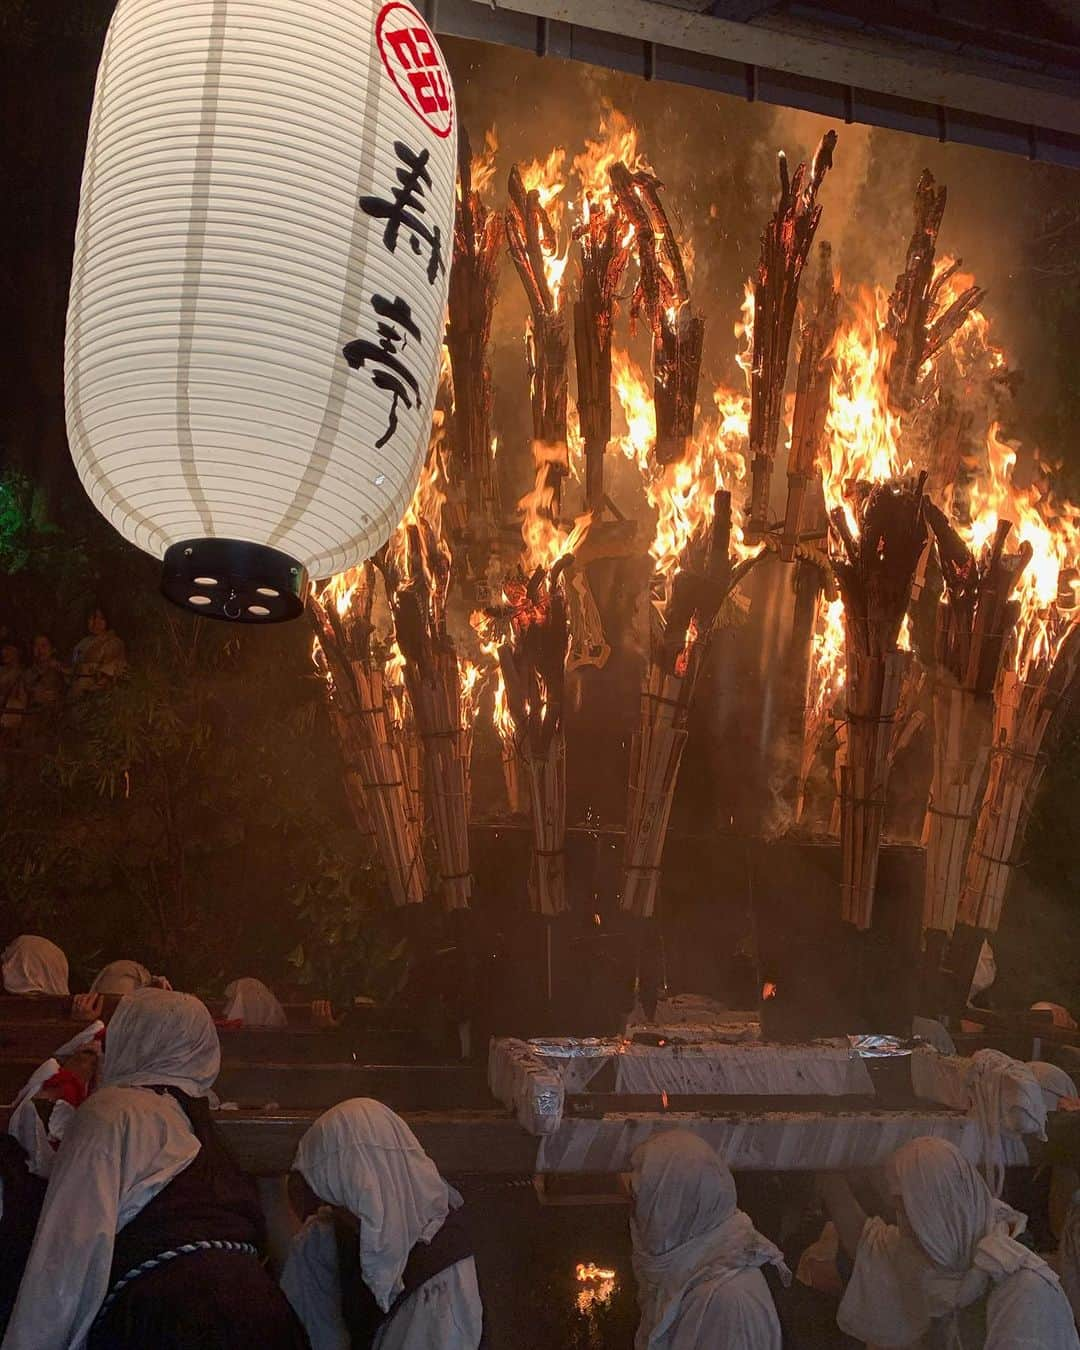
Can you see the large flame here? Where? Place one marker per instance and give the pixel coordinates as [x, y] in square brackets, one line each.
[682, 493]
[546, 177]
[862, 435]
[482, 165]
[1047, 587]
[544, 537]
[616, 143]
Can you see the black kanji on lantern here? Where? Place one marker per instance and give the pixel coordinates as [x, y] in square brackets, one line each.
[395, 323]
[407, 207]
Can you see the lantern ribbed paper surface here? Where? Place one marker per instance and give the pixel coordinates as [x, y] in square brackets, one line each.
[260, 275]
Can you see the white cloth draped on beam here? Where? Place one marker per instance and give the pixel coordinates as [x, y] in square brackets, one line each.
[806, 1141]
[743, 1070]
[520, 1079]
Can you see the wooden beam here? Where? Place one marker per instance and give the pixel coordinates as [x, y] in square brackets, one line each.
[851, 73]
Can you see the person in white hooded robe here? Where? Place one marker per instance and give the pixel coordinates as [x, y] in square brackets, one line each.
[950, 1274]
[385, 1261]
[34, 965]
[121, 977]
[148, 1234]
[251, 1002]
[697, 1257]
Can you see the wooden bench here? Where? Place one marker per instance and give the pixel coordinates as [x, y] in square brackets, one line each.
[316, 1086]
[284, 1045]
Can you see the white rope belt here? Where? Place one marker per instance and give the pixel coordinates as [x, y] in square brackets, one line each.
[163, 1258]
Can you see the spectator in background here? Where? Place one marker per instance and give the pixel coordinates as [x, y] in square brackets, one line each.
[34, 965]
[45, 679]
[13, 695]
[99, 658]
[251, 1002]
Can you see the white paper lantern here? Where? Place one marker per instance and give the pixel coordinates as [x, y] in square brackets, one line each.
[260, 275]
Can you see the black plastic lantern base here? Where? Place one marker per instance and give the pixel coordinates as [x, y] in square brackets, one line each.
[234, 581]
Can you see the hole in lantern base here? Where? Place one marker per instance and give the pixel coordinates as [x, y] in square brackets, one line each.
[252, 583]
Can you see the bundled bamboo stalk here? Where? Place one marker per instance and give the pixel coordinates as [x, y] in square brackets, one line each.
[412, 751]
[417, 579]
[813, 387]
[604, 255]
[917, 323]
[478, 234]
[785, 247]
[533, 664]
[371, 750]
[532, 241]
[875, 570]
[683, 622]
[975, 621]
[663, 296]
[1028, 710]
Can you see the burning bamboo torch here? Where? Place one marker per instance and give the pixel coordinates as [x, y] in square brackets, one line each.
[663, 296]
[880, 545]
[785, 247]
[362, 718]
[975, 621]
[533, 241]
[416, 566]
[478, 234]
[683, 619]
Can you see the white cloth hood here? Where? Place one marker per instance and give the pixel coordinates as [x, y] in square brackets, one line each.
[120, 977]
[361, 1156]
[252, 1003]
[967, 1234]
[687, 1229]
[34, 965]
[1054, 1082]
[964, 1249]
[157, 1036]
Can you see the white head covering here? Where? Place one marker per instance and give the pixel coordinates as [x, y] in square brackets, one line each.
[252, 1003]
[985, 970]
[361, 1156]
[120, 977]
[967, 1235]
[1004, 1094]
[157, 1036]
[34, 965]
[1055, 1083]
[687, 1226]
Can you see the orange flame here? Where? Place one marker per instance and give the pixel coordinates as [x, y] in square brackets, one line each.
[616, 143]
[682, 493]
[1047, 590]
[545, 177]
[862, 434]
[482, 165]
[545, 540]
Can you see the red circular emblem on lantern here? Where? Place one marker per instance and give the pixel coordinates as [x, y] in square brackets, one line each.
[415, 64]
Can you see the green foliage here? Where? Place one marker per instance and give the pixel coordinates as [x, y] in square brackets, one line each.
[192, 816]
